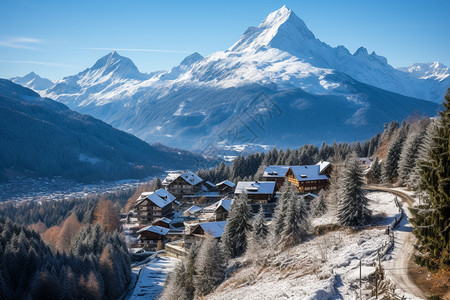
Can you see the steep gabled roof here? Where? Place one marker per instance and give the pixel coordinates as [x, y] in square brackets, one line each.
[213, 228]
[155, 229]
[305, 173]
[275, 171]
[323, 165]
[160, 198]
[225, 203]
[163, 219]
[188, 176]
[255, 187]
[226, 182]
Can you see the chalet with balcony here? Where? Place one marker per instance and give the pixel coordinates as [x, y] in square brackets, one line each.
[307, 179]
[258, 192]
[180, 183]
[151, 206]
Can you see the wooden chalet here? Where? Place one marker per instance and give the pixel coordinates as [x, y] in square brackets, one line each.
[151, 206]
[222, 209]
[261, 192]
[183, 183]
[307, 178]
[199, 231]
[225, 187]
[149, 236]
[277, 174]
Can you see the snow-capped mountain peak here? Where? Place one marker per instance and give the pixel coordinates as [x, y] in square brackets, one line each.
[116, 65]
[33, 81]
[434, 70]
[281, 29]
[189, 60]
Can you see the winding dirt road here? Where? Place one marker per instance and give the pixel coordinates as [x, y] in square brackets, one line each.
[397, 267]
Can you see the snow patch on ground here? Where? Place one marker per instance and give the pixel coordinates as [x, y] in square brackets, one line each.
[324, 267]
[152, 277]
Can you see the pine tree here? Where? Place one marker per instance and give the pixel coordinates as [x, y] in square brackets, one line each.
[374, 174]
[256, 239]
[296, 222]
[409, 155]
[234, 237]
[288, 193]
[209, 267]
[259, 228]
[393, 156]
[70, 229]
[431, 220]
[353, 205]
[415, 178]
[189, 274]
[175, 287]
[319, 206]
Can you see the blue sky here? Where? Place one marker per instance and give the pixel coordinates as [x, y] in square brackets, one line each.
[60, 38]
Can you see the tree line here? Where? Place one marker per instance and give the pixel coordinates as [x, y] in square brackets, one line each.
[251, 167]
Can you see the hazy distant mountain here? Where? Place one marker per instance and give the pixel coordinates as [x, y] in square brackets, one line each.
[42, 137]
[435, 71]
[326, 92]
[33, 81]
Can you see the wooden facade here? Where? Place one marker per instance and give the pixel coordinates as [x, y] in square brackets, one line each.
[147, 211]
[180, 187]
[306, 186]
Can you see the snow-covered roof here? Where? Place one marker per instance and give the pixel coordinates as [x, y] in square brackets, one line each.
[275, 171]
[155, 229]
[192, 210]
[255, 187]
[213, 228]
[323, 165]
[159, 197]
[210, 184]
[163, 219]
[225, 203]
[188, 176]
[305, 173]
[226, 182]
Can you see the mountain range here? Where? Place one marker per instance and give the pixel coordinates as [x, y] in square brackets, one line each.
[277, 85]
[42, 137]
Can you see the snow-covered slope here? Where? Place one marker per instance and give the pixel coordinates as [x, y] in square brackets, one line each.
[434, 70]
[109, 76]
[318, 91]
[33, 81]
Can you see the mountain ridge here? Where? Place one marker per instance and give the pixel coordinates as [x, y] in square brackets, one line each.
[42, 137]
[188, 105]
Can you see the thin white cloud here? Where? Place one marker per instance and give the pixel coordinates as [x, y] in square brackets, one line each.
[138, 50]
[20, 42]
[42, 63]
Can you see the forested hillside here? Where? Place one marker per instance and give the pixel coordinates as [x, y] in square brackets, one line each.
[41, 137]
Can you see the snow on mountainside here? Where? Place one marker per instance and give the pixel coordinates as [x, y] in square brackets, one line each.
[435, 70]
[110, 73]
[317, 90]
[33, 81]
